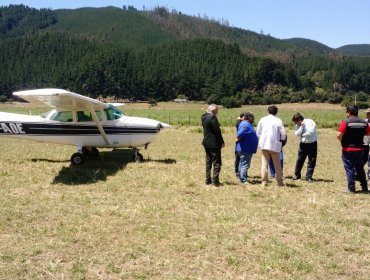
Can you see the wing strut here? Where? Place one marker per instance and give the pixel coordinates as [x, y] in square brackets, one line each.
[100, 127]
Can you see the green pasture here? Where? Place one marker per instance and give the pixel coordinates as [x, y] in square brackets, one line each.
[112, 218]
[227, 117]
[189, 114]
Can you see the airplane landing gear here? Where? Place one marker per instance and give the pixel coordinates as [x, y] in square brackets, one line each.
[137, 157]
[84, 153]
[90, 152]
[77, 158]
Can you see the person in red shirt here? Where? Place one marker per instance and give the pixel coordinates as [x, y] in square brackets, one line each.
[351, 134]
[365, 152]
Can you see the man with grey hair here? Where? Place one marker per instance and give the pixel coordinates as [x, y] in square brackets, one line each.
[212, 142]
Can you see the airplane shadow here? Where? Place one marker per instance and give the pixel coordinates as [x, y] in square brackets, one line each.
[48, 160]
[93, 170]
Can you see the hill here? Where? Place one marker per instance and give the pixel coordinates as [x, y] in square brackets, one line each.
[160, 54]
[356, 50]
[136, 29]
[313, 46]
[111, 25]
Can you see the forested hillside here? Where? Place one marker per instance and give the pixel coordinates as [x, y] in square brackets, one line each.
[160, 55]
[125, 28]
[356, 50]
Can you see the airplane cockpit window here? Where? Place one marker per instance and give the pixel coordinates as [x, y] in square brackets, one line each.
[99, 115]
[113, 113]
[62, 116]
[84, 116]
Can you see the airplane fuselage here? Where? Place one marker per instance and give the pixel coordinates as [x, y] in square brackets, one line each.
[122, 132]
[79, 121]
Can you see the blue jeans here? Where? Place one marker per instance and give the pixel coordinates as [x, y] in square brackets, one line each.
[244, 164]
[352, 162]
[236, 165]
[271, 165]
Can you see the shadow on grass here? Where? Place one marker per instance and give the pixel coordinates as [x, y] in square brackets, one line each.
[323, 180]
[292, 185]
[257, 181]
[165, 161]
[315, 179]
[48, 160]
[93, 170]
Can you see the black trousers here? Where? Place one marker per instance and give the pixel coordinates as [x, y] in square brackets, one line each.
[353, 166]
[310, 150]
[213, 157]
[365, 154]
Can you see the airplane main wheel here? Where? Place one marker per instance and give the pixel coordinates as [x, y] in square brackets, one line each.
[77, 159]
[137, 157]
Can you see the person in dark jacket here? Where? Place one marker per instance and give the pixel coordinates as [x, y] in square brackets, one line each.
[351, 135]
[212, 142]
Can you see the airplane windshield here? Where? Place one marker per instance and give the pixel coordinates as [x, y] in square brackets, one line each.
[113, 113]
[44, 115]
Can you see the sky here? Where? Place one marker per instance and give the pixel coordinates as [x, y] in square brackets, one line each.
[332, 22]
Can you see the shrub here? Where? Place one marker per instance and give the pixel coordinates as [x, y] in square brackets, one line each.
[3, 98]
[152, 102]
[231, 102]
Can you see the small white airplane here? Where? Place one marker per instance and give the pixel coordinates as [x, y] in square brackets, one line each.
[79, 121]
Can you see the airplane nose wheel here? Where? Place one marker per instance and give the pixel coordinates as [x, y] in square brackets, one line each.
[77, 159]
[137, 157]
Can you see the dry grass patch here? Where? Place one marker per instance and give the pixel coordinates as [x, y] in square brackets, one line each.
[115, 219]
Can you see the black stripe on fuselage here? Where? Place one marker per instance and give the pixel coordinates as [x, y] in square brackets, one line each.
[68, 129]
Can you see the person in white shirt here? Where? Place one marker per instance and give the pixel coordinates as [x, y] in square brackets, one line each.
[270, 132]
[306, 130]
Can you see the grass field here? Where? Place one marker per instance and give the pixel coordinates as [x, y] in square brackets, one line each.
[325, 115]
[116, 219]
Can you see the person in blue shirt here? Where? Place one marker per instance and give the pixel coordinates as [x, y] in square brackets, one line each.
[237, 159]
[246, 145]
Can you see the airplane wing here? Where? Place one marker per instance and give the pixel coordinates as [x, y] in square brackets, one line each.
[61, 99]
[65, 100]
